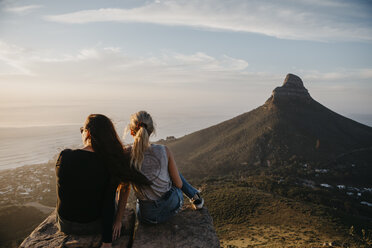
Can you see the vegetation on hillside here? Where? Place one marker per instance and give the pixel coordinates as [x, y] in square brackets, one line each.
[264, 219]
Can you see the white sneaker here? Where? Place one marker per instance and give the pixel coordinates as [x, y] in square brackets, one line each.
[197, 201]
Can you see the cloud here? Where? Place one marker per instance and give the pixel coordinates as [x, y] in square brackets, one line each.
[306, 20]
[105, 73]
[23, 9]
[105, 64]
[338, 76]
[12, 59]
[95, 75]
[366, 73]
[111, 64]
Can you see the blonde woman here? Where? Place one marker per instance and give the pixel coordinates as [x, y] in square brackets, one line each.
[163, 198]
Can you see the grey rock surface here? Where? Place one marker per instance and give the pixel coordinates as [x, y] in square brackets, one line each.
[189, 228]
[292, 87]
[47, 235]
[293, 81]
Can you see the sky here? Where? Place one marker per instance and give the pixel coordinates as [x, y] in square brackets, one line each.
[190, 63]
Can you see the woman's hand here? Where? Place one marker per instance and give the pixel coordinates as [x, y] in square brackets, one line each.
[124, 189]
[116, 229]
[106, 245]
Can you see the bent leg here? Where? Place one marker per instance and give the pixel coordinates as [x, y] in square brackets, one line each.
[153, 212]
[189, 190]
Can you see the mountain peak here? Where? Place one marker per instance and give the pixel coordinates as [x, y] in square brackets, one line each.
[293, 81]
[292, 89]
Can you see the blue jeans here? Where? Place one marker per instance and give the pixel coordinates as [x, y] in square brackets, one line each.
[169, 204]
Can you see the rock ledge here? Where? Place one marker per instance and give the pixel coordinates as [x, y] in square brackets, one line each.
[188, 228]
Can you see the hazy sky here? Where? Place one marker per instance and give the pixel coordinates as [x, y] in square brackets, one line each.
[61, 60]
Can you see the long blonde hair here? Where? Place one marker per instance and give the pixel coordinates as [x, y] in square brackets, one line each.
[141, 127]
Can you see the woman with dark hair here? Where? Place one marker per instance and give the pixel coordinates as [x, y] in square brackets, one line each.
[87, 180]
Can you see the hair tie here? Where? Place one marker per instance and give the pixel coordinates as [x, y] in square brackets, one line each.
[132, 132]
[138, 126]
[141, 124]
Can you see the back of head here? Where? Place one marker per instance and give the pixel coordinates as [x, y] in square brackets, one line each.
[141, 127]
[104, 138]
[106, 143]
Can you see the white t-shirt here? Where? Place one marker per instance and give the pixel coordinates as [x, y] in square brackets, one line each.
[155, 168]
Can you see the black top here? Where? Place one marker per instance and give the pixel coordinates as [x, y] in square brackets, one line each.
[84, 192]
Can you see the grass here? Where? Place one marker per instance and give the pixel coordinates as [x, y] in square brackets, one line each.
[246, 216]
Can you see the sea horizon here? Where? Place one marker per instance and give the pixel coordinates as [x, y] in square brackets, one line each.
[31, 144]
[23, 145]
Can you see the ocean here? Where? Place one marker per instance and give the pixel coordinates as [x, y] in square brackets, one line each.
[31, 145]
[34, 145]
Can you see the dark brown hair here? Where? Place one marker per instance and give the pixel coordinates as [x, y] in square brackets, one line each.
[106, 143]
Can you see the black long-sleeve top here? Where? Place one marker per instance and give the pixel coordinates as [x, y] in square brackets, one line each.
[84, 191]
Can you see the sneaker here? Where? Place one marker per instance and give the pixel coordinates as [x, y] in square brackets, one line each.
[197, 201]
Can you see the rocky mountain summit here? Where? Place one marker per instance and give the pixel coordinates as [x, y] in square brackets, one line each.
[187, 229]
[292, 87]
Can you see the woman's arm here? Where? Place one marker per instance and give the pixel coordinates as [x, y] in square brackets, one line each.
[124, 190]
[173, 171]
[108, 212]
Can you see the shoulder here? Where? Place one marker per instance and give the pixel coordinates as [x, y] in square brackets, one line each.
[166, 149]
[63, 158]
[160, 147]
[64, 154]
[68, 155]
